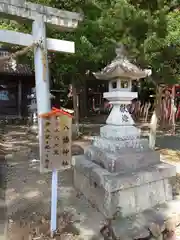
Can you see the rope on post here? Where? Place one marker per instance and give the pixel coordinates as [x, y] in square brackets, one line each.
[18, 53]
[44, 64]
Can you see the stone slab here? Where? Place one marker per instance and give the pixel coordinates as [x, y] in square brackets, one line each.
[94, 194]
[123, 160]
[112, 182]
[119, 132]
[125, 201]
[120, 96]
[121, 145]
[137, 226]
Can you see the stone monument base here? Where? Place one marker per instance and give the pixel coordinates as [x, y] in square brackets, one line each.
[126, 193]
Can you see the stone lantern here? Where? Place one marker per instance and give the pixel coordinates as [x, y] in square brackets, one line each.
[119, 172]
[120, 73]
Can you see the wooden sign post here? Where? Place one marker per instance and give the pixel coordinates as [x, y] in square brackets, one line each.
[55, 151]
[55, 141]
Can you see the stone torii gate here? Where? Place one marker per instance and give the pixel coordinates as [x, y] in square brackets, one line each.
[40, 16]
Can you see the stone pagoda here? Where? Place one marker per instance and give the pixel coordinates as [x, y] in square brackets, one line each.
[119, 172]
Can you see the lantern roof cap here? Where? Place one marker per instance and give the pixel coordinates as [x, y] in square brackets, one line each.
[121, 67]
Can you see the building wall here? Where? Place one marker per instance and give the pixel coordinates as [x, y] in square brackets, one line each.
[9, 95]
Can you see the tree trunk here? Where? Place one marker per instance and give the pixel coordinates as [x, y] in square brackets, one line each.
[76, 108]
[173, 110]
[155, 117]
[84, 99]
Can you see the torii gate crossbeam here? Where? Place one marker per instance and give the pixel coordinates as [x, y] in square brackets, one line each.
[22, 39]
[21, 9]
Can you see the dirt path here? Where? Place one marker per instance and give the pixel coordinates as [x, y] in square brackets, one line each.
[28, 192]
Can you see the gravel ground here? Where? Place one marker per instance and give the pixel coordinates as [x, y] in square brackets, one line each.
[28, 191]
[28, 195]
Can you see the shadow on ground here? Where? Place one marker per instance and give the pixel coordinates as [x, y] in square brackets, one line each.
[28, 192]
[170, 142]
[169, 146]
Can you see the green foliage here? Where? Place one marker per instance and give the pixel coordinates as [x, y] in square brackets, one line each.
[149, 30]
[150, 33]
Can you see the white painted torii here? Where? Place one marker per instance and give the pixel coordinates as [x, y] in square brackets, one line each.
[40, 15]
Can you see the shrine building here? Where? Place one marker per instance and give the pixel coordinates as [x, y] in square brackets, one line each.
[16, 81]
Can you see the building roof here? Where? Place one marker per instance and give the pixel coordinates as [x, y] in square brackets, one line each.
[11, 66]
[20, 69]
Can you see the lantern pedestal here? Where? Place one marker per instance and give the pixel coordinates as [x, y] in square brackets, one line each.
[119, 172]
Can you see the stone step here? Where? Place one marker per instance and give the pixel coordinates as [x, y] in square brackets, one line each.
[121, 146]
[128, 193]
[150, 224]
[128, 160]
[119, 132]
[112, 182]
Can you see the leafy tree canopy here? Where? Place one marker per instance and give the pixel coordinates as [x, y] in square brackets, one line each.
[149, 30]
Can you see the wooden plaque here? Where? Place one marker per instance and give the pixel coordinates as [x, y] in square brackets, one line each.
[55, 142]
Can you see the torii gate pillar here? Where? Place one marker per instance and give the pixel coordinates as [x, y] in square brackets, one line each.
[41, 67]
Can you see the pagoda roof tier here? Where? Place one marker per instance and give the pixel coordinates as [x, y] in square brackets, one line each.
[121, 67]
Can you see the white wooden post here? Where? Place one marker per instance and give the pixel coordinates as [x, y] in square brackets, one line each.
[43, 101]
